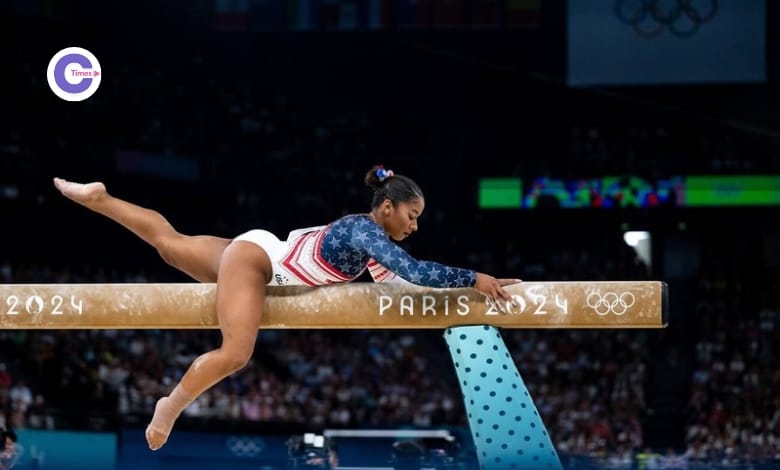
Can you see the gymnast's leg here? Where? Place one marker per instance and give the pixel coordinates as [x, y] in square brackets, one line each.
[243, 274]
[198, 256]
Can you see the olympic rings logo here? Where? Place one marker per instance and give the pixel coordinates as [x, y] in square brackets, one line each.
[649, 18]
[244, 446]
[610, 302]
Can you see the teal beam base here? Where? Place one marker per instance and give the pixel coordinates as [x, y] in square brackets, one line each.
[505, 424]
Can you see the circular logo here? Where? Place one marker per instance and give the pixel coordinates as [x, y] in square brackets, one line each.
[74, 74]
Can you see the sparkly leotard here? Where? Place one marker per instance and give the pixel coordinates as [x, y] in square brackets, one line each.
[341, 251]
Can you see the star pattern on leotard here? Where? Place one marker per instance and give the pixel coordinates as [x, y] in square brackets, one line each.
[333, 243]
[351, 241]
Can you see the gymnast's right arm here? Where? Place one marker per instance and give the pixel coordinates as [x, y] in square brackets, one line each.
[368, 237]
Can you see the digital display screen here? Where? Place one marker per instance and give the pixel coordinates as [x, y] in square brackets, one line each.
[630, 192]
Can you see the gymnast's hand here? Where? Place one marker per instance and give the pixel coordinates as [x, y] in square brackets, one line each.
[494, 290]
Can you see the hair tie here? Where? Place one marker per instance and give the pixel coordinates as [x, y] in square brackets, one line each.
[383, 174]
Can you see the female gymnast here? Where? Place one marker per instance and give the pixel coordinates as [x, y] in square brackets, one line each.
[242, 267]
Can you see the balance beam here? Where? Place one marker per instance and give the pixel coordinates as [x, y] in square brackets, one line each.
[624, 304]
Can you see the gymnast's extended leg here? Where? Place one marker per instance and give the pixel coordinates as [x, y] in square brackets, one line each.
[198, 256]
[243, 274]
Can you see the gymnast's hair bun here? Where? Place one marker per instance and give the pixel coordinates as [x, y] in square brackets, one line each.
[376, 176]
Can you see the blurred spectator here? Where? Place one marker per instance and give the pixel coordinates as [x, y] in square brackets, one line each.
[21, 398]
[10, 451]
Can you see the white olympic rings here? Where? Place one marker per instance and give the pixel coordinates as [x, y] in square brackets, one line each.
[610, 302]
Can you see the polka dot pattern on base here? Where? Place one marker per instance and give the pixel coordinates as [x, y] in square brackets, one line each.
[506, 427]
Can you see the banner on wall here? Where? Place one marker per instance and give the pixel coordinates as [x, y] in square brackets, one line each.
[364, 15]
[65, 450]
[629, 42]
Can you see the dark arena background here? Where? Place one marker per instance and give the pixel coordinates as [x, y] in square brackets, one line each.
[579, 140]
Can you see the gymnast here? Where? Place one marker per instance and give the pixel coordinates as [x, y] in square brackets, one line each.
[242, 267]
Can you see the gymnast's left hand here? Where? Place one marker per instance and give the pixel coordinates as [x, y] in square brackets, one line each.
[494, 290]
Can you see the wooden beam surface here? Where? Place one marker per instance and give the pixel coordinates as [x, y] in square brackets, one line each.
[603, 304]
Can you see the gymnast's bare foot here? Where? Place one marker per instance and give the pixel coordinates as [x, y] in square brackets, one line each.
[84, 194]
[159, 428]
[155, 438]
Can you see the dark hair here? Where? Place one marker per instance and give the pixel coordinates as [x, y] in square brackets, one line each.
[396, 188]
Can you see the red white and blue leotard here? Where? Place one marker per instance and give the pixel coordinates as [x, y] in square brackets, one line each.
[341, 251]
